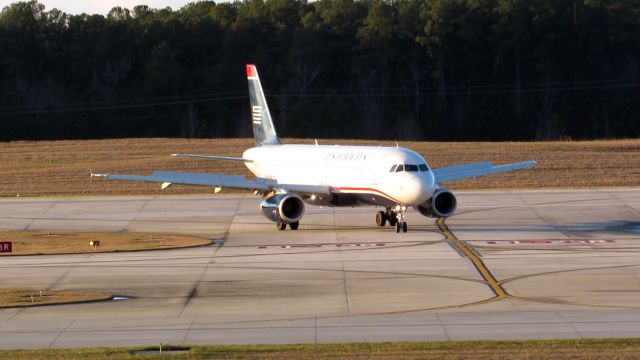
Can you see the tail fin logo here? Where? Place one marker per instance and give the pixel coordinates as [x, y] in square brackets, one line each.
[264, 133]
[256, 114]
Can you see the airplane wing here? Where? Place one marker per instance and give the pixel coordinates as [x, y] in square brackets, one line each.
[458, 172]
[167, 178]
[212, 157]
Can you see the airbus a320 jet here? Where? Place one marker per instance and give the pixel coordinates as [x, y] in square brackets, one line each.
[290, 176]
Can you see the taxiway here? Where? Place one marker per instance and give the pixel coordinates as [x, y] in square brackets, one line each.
[510, 265]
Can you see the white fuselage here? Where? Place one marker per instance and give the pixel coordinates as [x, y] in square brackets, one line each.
[362, 171]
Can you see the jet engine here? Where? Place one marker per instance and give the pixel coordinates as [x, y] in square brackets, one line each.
[287, 208]
[441, 204]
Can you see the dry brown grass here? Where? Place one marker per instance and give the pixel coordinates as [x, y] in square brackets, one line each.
[46, 243]
[46, 168]
[25, 298]
[517, 350]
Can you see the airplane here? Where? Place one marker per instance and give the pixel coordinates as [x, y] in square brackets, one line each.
[288, 176]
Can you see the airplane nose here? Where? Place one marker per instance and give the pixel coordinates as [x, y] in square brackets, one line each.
[417, 188]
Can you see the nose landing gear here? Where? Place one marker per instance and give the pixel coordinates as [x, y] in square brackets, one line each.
[395, 217]
[401, 226]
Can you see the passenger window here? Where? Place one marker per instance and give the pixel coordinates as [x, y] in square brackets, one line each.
[423, 167]
[411, 167]
[400, 168]
[393, 168]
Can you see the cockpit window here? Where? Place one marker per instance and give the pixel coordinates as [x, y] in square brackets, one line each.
[400, 168]
[411, 167]
[423, 167]
[393, 168]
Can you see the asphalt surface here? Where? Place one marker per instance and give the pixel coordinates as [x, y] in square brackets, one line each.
[510, 265]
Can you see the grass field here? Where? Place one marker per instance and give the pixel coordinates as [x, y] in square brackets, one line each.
[58, 168]
[26, 298]
[515, 350]
[41, 242]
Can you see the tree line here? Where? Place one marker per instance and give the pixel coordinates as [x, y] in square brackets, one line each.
[379, 69]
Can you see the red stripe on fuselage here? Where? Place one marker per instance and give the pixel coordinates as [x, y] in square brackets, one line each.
[367, 189]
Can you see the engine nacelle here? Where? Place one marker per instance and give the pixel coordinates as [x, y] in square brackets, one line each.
[441, 204]
[287, 208]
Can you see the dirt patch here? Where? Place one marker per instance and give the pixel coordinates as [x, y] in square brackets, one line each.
[26, 298]
[48, 243]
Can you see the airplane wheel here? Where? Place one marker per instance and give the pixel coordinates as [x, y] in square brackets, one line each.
[397, 227]
[281, 225]
[294, 226]
[381, 218]
[392, 219]
[404, 227]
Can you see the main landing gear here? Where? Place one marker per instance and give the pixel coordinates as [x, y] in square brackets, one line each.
[395, 217]
[281, 225]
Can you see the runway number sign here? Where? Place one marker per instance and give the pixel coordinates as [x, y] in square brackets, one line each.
[5, 247]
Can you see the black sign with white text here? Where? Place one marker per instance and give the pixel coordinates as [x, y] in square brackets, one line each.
[5, 247]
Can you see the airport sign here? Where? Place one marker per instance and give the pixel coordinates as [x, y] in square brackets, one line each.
[5, 247]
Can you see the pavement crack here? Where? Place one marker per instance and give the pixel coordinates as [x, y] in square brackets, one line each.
[194, 290]
[315, 329]
[144, 206]
[60, 333]
[12, 317]
[186, 333]
[570, 324]
[28, 228]
[625, 203]
[192, 294]
[543, 218]
[344, 272]
[345, 286]
[444, 328]
[59, 280]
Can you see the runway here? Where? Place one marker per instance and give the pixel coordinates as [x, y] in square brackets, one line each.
[510, 265]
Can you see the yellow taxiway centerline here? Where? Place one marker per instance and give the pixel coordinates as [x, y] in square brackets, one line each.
[495, 286]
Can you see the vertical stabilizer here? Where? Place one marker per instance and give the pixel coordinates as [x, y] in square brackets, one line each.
[264, 133]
